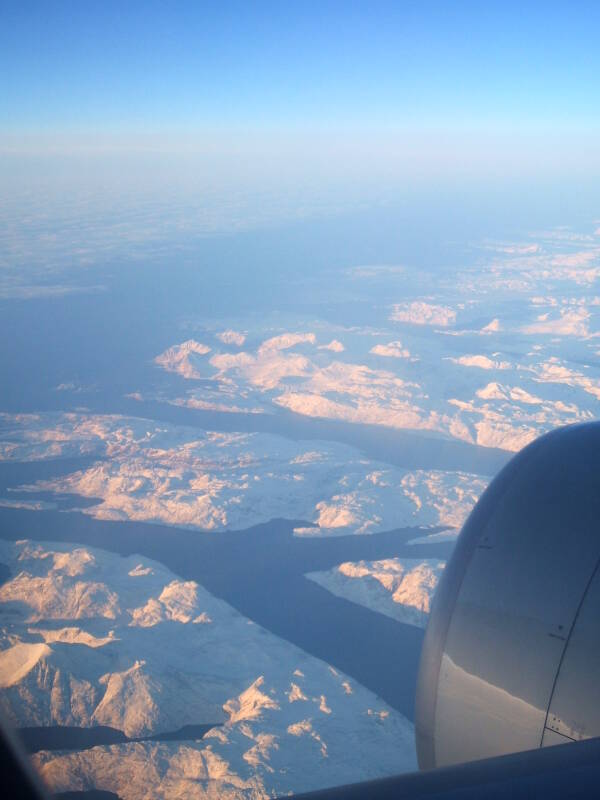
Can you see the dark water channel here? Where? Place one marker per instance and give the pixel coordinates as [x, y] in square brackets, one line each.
[260, 572]
[66, 737]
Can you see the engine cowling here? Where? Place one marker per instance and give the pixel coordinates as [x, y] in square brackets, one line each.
[511, 657]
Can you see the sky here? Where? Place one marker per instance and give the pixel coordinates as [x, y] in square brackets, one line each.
[171, 66]
[292, 108]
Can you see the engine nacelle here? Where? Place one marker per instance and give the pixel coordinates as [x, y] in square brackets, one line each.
[511, 658]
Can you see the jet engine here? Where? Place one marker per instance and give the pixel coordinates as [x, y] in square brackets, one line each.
[511, 657]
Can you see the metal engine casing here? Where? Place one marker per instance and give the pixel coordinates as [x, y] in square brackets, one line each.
[511, 657]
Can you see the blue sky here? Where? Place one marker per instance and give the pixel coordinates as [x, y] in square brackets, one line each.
[173, 66]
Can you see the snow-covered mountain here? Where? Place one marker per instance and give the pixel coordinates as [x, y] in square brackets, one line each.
[400, 588]
[492, 354]
[505, 380]
[90, 638]
[210, 480]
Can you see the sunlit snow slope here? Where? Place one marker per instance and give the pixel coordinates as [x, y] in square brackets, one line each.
[90, 638]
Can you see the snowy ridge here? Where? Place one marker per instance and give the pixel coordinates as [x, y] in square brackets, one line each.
[524, 315]
[213, 481]
[400, 588]
[174, 655]
[311, 379]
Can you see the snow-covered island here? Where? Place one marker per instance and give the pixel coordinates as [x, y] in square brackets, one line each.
[400, 588]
